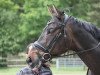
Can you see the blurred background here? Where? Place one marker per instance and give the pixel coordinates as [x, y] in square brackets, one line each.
[21, 23]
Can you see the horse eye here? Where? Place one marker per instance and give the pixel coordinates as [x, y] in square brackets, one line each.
[50, 30]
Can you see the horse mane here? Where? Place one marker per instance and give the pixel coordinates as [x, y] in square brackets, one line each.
[88, 27]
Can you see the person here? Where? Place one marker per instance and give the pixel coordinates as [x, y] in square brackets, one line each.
[35, 68]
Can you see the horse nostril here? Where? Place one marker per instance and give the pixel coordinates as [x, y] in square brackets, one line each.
[28, 60]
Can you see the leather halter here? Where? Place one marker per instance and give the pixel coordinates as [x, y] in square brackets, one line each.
[55, 39]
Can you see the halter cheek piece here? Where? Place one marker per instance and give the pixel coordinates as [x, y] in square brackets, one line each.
[46, 56]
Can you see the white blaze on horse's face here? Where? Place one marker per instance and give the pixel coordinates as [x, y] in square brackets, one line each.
[30, 48]
[32, 52]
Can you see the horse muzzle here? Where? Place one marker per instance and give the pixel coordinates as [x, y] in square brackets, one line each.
[36, 62]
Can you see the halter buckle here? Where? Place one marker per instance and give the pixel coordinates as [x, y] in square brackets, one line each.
[46, 56]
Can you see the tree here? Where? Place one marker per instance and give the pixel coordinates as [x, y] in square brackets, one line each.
[8, 29]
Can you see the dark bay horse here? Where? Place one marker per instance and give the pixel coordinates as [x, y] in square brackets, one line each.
[64, 33]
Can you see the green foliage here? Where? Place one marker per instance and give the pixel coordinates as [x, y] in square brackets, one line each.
[21, 21]
[8, 26]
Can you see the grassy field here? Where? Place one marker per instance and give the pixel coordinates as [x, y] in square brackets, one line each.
[68, 71]
[61, 71]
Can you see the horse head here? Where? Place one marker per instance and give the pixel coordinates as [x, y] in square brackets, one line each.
[54, 38]
[61, 34]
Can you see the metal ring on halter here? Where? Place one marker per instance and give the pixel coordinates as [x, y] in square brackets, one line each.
[46, 56]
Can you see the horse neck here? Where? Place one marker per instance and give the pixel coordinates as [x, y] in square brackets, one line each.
[84, 41]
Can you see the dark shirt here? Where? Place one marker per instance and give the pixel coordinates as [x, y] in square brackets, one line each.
[28, 71]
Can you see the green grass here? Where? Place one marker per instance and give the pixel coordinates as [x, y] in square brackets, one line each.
[69, 71]
[61, 71]
[9, 71]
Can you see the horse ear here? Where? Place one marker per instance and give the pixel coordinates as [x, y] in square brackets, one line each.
[53, 10]
[56, 12]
